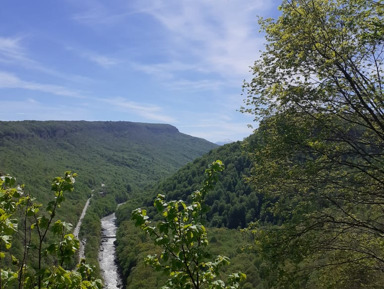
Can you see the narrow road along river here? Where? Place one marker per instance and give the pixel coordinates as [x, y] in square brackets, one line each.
[107, 262]
[76, 231]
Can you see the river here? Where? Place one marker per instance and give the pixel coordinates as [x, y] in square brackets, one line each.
[108, 267]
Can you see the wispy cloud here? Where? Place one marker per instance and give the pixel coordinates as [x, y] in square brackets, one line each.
[96, 58]
[222, 35]
[217, 130]
[94, 12]
[101, 60]
[32, 109]
[12, 51]
[9, 80]
[148, 111]
[218, 37]
[217, 125]
[196, 85]
[165, 71]
[171, 75]
[100, 16]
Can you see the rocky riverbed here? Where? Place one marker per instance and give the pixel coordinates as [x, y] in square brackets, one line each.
[108, 267]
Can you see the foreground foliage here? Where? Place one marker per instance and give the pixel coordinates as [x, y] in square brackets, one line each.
[183, 238]
[134, 245]
[46, 258]
[318, 153]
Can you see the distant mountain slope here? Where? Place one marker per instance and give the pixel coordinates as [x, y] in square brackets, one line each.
[223, 142]
[124, 156]
[233, 202]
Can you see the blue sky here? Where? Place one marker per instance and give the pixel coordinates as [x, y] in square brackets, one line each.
[180, 62]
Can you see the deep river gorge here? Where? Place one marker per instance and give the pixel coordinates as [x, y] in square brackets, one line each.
[107, 250]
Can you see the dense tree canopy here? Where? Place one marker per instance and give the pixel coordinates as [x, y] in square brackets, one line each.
[322, 56]
[232, 201]
[318, 91]
[183, 238]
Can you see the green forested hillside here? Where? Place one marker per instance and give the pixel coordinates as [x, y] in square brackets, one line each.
[115, 158]
[233, 202]
[172, 222]
[121, 155]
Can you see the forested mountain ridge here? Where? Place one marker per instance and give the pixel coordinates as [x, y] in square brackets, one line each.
[46, 129]
[123, 156]
[233, 202]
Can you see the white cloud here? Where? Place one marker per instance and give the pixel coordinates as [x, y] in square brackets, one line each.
[101, 60]
[12, 51]
[216, 131]
[148, 111]
[31, 109]
[196, 85]
[165, 71]
[9, 80]
[215, 126]
[170, 75]
[220, 34]
[100, 16]
[94, 12]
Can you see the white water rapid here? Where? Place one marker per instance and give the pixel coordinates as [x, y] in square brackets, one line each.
[107, 262]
